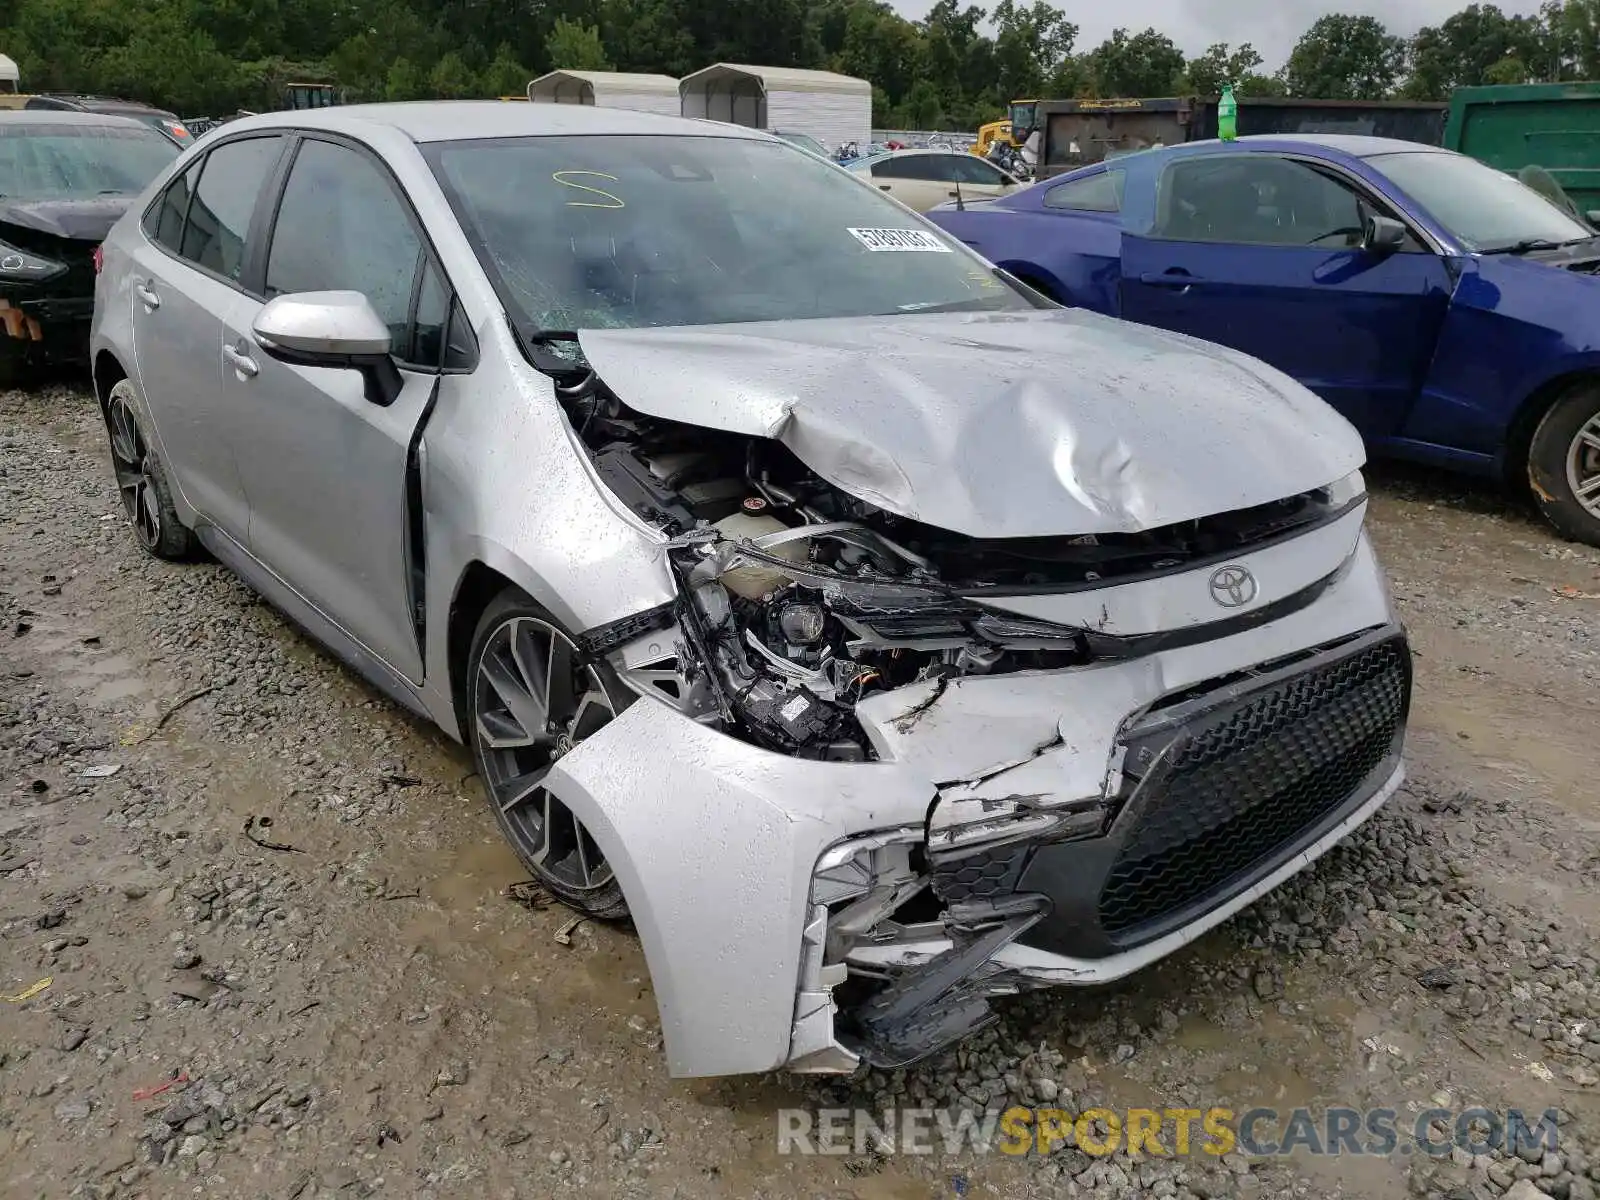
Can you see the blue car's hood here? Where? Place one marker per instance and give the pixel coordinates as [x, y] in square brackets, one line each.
[1029, 424]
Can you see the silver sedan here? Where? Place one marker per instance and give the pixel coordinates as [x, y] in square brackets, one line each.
[881, 636]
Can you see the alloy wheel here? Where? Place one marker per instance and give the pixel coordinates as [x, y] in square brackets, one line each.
[1583, 466]
[535, 699]
[130, 458]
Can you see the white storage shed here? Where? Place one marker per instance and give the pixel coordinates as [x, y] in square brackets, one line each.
[834, 109]
[608, 89]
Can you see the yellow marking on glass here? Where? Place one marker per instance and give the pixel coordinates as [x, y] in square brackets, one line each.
[615, 201]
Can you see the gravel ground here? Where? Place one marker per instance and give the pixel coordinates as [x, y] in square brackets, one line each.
[284, 958]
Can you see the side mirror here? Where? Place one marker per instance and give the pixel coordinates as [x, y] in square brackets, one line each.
[1384, 235]
[1593, 217]
[331, 329]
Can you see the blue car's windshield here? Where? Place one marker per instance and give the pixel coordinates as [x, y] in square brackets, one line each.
[1488, 211]
[624, 231]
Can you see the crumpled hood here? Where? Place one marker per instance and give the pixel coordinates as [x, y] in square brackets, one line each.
[995, 425]
[86, 220]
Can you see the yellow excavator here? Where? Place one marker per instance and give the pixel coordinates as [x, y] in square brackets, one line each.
[1013, 130]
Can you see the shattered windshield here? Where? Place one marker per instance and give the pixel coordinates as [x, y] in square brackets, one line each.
[632, 231]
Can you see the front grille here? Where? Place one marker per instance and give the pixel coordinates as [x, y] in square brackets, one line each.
[1245, 781]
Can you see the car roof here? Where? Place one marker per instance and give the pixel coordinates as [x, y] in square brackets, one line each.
[66, 116]
[464, 120]
[1352, 144]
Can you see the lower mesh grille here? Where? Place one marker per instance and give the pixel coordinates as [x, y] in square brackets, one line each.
[980, 876]
[1248, 780]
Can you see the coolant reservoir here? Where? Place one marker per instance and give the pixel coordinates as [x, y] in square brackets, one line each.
[755, 580]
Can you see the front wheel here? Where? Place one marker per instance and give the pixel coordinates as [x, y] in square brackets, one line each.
[533, 697]
[1564, 465]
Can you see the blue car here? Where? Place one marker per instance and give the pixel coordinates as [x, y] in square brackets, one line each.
[1450, 312]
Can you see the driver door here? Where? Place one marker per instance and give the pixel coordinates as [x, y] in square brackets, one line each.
[1261, 252]
[324, 467]
[910, 179]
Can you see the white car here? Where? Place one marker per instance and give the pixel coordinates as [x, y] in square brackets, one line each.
[880, 636]
[921, 179]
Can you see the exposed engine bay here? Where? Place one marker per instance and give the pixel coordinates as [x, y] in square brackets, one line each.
[798, 600]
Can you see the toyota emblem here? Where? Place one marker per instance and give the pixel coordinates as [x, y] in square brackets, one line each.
[1233, 586]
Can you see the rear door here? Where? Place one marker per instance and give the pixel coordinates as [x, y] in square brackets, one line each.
[324, 467]
[910, 179]
[1261, 252]
[186, 274]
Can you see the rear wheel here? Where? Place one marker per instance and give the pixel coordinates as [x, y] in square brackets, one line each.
[534, 696]
[1564, 464]
[142, 481]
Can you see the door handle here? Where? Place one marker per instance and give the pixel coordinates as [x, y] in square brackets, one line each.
[1171, 279]
[884, 187]
[146, 297]
[240, 361]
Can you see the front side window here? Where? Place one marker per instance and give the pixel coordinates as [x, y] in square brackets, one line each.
[59, 162]
[1262, 200]
[969, 168]
[1488, 211]
[620, 230]
[342, 226]
[1100, 192]
[232, 179]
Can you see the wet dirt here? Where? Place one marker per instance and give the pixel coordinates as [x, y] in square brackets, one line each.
[382, 1018]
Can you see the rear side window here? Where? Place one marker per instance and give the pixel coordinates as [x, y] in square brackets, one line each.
[1101, 193]
[232, 178]
[913, 166]
[163, 220]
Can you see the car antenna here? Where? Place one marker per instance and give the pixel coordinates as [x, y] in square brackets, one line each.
[961, 205]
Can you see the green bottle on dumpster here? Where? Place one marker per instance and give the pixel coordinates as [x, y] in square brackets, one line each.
[1228, 115]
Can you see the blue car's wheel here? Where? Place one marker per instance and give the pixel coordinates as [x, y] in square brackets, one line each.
[1564, 464]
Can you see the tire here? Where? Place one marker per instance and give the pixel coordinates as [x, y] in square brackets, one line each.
[1564, 464]
[14, 369]
[142, 480]
[511, 687]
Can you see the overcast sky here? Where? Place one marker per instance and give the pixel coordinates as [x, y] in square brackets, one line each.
[1272, 26]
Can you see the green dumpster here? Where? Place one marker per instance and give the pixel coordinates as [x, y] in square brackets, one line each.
[1551, 125]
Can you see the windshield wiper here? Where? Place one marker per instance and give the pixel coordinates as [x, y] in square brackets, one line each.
[1529, 244]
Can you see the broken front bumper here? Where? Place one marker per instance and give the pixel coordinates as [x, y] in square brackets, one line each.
[1018, 830]
[1221, 796]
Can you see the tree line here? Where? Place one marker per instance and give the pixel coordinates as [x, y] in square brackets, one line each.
[954, 69]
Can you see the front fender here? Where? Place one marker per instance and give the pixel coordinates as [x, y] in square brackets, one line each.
[1514, 327]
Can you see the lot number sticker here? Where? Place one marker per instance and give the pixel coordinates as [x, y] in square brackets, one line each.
[901, 241]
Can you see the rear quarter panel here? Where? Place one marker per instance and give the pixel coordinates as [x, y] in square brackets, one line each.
[1074, 257]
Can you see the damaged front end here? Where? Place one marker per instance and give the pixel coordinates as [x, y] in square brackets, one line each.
[1109, 768]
